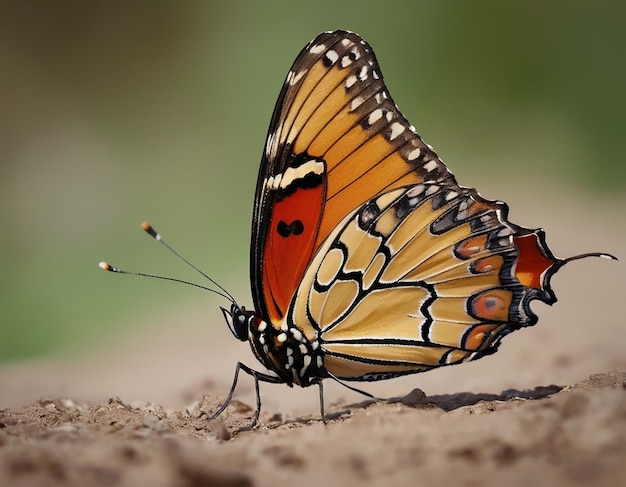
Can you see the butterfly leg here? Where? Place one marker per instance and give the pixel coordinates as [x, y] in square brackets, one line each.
[321, 392]
[258, 376]
[355, 389]
[320, 385]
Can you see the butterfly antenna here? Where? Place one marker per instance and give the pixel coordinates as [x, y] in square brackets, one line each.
[149, 229]
[108, 267]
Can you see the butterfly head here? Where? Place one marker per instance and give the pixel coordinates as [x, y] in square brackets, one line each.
[238, 320]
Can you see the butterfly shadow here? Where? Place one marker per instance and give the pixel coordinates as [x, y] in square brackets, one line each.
[449, 402]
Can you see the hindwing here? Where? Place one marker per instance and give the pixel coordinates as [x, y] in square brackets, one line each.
[419, 277]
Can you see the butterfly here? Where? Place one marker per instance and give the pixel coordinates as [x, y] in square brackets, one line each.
[368, 260]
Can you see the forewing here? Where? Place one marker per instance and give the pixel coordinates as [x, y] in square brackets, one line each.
[335, 141]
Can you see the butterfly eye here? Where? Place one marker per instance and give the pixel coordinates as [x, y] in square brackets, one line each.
[237, 320]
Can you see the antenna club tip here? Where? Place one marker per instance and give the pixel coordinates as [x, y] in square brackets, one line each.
[149, 229]
[104, 266]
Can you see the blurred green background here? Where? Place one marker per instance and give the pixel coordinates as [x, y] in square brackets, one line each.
[116, 112]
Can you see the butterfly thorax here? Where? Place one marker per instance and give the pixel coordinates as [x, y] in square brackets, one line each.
[284, 350]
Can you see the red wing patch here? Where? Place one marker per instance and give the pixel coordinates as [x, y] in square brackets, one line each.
[289, 246]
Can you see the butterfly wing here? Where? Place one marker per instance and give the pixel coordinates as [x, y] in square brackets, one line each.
[419, 277]
[363, 240]
[336, 140]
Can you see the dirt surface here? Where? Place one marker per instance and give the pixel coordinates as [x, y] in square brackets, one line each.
[548, 436]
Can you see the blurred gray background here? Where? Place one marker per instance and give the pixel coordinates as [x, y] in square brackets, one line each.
[112, 113]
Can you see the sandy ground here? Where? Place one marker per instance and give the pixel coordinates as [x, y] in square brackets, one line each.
[548, 409]
[575, 436]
